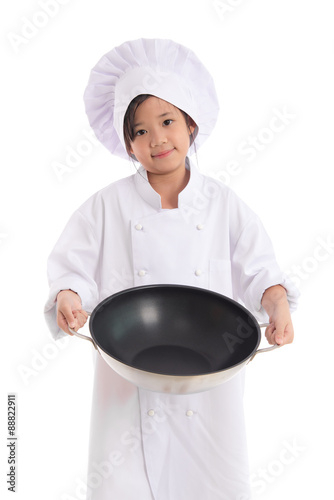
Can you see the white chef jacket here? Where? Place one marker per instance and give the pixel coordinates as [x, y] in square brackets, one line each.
[149, 445]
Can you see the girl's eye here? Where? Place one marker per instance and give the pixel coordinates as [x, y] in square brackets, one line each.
[168, 122]
[140, 132]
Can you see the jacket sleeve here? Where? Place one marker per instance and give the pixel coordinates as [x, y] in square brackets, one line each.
[255, 267]
[72, 264]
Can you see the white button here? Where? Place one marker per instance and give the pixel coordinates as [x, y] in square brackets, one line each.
[141, 273]
[200, 226]
[151, 413]
[198, 272]
[139, 227]
[189, 413]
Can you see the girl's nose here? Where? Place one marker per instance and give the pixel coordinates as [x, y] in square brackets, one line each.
[157, 139]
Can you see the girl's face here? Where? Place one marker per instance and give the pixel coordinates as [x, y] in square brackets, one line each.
[161, 136]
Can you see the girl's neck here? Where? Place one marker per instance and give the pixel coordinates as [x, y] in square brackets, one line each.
[169, 186]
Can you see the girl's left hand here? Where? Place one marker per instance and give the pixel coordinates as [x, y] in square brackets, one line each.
[280, 331]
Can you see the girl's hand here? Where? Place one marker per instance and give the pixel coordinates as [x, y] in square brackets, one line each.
[69, 311]
[275, 302]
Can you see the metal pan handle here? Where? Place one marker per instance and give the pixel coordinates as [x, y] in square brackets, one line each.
[81, 336]
[265, 349]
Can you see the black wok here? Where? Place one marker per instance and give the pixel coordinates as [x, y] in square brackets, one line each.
[174, 338]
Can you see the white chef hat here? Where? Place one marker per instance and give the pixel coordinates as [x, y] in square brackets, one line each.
[158, 67]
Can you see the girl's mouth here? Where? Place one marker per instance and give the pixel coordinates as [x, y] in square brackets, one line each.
[163, 154]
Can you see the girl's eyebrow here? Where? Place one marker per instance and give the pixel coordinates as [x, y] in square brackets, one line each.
[160, 116]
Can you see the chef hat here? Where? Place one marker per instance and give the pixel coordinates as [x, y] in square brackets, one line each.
[158, 67]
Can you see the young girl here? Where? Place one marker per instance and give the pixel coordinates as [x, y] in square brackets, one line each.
[153, 101]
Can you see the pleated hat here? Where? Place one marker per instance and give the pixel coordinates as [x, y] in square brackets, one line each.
[159, 67]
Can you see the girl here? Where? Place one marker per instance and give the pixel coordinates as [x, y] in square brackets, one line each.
[153, 101]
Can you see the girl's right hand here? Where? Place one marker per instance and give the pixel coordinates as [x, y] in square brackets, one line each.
[69, 311]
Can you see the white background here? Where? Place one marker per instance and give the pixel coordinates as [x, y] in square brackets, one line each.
[264, 56]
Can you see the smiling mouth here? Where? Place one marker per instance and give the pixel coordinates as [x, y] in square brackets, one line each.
[163, 154]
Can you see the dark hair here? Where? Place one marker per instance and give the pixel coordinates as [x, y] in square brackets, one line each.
[129, 117]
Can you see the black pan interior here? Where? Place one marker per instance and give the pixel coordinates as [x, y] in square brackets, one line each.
[174, 330]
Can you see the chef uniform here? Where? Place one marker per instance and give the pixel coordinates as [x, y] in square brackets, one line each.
[148, 445]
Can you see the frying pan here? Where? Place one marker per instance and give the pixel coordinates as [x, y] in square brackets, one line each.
[173, 338]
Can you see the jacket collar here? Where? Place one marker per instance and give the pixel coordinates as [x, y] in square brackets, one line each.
[186, 196]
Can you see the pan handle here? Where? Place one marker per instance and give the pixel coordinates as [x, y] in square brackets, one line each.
[266, 349]
[81, 336]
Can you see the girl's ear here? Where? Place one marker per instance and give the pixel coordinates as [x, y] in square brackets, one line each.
[129, 150]
[191, 126]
